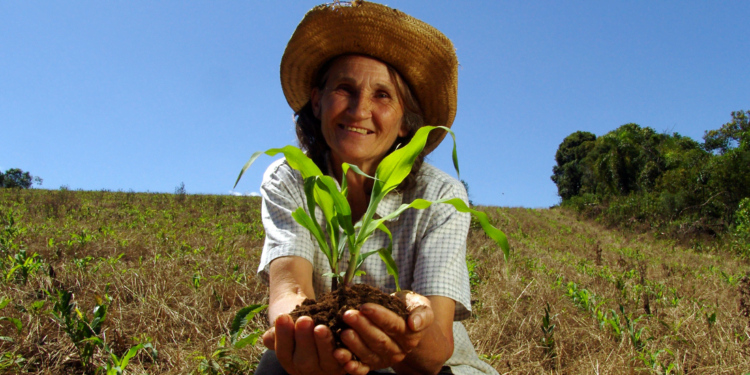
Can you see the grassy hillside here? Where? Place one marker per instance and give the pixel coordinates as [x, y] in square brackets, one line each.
[178, 268]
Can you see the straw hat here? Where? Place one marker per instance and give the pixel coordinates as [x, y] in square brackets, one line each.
[423, 56]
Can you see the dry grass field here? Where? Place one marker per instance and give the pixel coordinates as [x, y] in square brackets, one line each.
[173, 270]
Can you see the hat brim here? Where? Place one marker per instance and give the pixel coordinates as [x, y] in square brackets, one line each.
[423, 56]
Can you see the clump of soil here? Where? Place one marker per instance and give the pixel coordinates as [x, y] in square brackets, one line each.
[329, 309]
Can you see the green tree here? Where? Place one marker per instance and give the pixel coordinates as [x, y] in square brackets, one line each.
[734, 134]
[16, 178]
[568, 172]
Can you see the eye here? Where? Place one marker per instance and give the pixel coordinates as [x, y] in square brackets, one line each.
[382, 95]
[345, 88]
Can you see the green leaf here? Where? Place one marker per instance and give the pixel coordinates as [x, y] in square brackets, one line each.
[249, 339]
[460, 206]
[396, 166]
[343, 210]
[242, 317]
[294, 156]
[16, 322]
[386, 254]
[304, 219]
[345, 168]
[4, 302]
[131, 353]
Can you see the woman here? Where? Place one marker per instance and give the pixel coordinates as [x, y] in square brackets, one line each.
[361, 80]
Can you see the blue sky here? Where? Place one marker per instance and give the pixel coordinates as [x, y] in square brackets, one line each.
[145, 95]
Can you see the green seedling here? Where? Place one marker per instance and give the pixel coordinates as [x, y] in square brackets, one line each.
[225, 359]
[651, 361]
[22, 265]
[196, 280]
[237, 338]
[615, 325]
[116, 366]
[710, 319]
[8, 233]
[11, 360]
[84, 332]
[548, 330]
[636, 335]
[339, 232]
[16, 322]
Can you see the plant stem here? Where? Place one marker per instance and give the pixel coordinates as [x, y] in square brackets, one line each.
[352, 266]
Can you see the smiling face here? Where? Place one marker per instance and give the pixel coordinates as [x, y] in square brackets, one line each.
[360, 111]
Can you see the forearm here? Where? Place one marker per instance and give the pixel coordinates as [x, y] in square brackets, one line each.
[430, 355]
[289, 285]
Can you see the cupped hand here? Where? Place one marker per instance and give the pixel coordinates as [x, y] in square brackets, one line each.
[379, 338]
[303, 348]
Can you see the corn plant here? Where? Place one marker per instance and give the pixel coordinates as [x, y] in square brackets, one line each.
[116, 365]
[22, 265]
[84, 332]
[651, 361]
[548, 331]
[636, 335]
[16, 322]
[615, 325]
[8, 233]
[339, 232]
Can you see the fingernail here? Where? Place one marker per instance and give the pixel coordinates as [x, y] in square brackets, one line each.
[365, 309]
[351, 315]
[321, 332]
[417, 322]
[282, 319]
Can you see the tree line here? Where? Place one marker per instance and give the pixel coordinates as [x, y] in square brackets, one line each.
[635, 175]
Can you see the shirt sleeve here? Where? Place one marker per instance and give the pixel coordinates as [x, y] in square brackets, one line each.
[284, 236]
[440, 264]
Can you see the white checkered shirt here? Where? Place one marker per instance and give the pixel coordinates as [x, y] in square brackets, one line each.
[429, 246]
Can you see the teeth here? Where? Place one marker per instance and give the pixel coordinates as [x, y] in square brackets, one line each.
[358, 130]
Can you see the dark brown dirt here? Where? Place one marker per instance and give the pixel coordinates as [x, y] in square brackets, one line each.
[330, 308]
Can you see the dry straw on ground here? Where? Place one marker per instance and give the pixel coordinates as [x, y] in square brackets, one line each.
[180, 267]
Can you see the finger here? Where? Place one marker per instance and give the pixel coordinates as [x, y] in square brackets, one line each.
[305, 353]
[407, 334]
[379, 338]
[385, 319]
[421, 315]
[342, 355]
[269, 338]
[359, 348]
[284, 335]
[356, 368]
[326, 346]
[420, 318]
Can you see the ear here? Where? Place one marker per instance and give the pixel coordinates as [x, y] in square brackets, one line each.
[403, 132]
[315, 101]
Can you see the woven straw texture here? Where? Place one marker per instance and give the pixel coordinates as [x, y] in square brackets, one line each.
[423, 56]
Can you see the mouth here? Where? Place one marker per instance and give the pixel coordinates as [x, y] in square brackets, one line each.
[356, 130]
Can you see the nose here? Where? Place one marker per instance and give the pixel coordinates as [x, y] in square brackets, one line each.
[360, 106]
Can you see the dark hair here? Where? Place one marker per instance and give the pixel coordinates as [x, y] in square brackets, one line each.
[310, 136]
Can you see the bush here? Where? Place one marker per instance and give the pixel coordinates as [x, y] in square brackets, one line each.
[741, 230]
